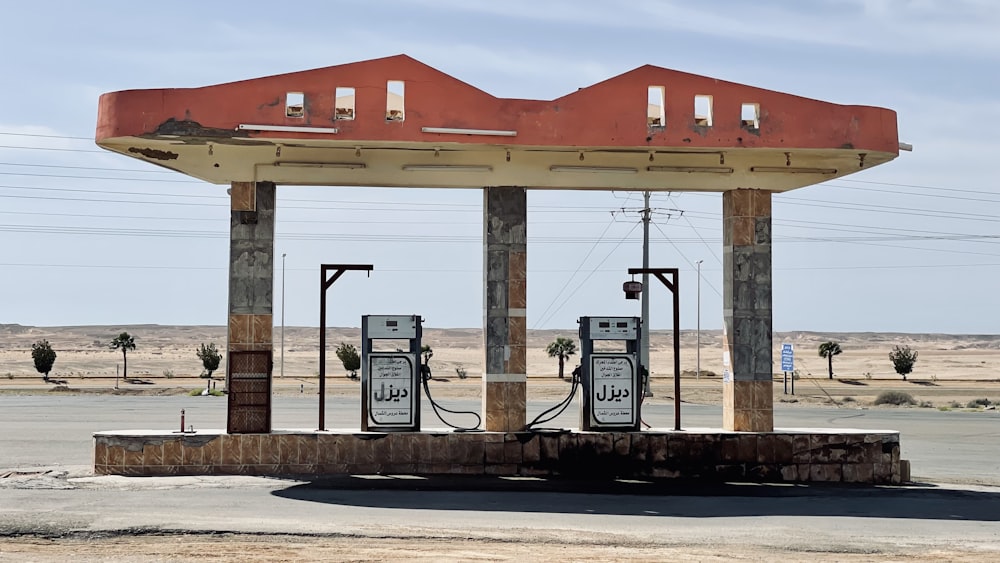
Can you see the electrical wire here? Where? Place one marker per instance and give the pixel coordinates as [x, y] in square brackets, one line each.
[45, 136]
[712, 251]
[592, 272]
[100, 168]
[690, 263]
[573, 275]
[628, 194]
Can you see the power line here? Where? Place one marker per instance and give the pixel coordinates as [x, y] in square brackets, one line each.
[690, 263]
[942, 196]
[78, 177]
[628, 194]
[45, 136]
[53, 149]
[584, 280]
[100, 168]
[789, 200]
[579, 266]
[471, 271]
[711, 251]
[916, 186]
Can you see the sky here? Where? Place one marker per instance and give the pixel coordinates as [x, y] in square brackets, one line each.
[90, 237]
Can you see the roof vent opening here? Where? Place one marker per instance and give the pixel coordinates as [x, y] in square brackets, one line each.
[703, 110]
[344, 103]
[750, 115]
[295, 104]
[656, 108]
[394, 92]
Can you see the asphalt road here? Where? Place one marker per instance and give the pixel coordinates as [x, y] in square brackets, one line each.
[55, 430]
[47, 438]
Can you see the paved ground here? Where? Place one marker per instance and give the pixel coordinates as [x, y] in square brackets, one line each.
[52, 429]
[51, 508]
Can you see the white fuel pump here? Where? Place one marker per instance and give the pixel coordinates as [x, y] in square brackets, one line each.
[612, 380]
[390, 381]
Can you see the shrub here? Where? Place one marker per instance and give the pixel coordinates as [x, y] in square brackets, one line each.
[44, 356]
[460, 372]
[955, 405]
[926, 405]
[210, 358]
[897, 398]
[169, 374]
[903, 358]
[847, 400]
[348, 355]
[976, 403]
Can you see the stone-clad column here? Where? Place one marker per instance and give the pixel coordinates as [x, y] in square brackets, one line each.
[747, 391]
[505, 219]
[251, 283]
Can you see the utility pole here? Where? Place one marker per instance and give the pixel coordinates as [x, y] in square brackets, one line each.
[283, 314]
[644, 334]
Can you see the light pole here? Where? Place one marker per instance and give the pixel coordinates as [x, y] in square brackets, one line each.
[697, 373]
[283, 314]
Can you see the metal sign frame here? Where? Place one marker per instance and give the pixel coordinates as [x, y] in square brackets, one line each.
[325, 281]
[674, 285]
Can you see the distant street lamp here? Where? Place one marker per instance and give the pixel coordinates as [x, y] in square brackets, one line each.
[697, 373]
[283, 314]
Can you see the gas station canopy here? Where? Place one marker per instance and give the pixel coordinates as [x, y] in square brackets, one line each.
[398, 122]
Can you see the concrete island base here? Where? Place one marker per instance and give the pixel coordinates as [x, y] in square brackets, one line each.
[785, 455]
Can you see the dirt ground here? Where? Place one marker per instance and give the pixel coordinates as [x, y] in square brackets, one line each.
[83, 352]
[566, 546]
[951, 370]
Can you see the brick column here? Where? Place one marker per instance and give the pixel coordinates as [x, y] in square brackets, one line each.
[251, 283]
[505, 220]
[747, 391]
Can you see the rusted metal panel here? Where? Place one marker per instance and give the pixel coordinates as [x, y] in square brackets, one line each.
[249, 392]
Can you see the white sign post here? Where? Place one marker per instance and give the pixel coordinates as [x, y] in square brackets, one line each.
[612, 389]
[391, 389]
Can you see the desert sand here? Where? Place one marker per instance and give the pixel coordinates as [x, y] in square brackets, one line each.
[949, 367]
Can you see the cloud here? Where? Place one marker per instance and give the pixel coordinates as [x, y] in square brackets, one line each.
[888, 26]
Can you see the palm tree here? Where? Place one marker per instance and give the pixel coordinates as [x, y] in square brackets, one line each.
[124, 342]
[828, 350]
[562, 348]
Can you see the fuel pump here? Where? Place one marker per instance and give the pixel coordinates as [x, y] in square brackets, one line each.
[612, 381]
[390, 381]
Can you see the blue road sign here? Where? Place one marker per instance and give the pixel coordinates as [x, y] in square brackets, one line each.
[787, 358]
